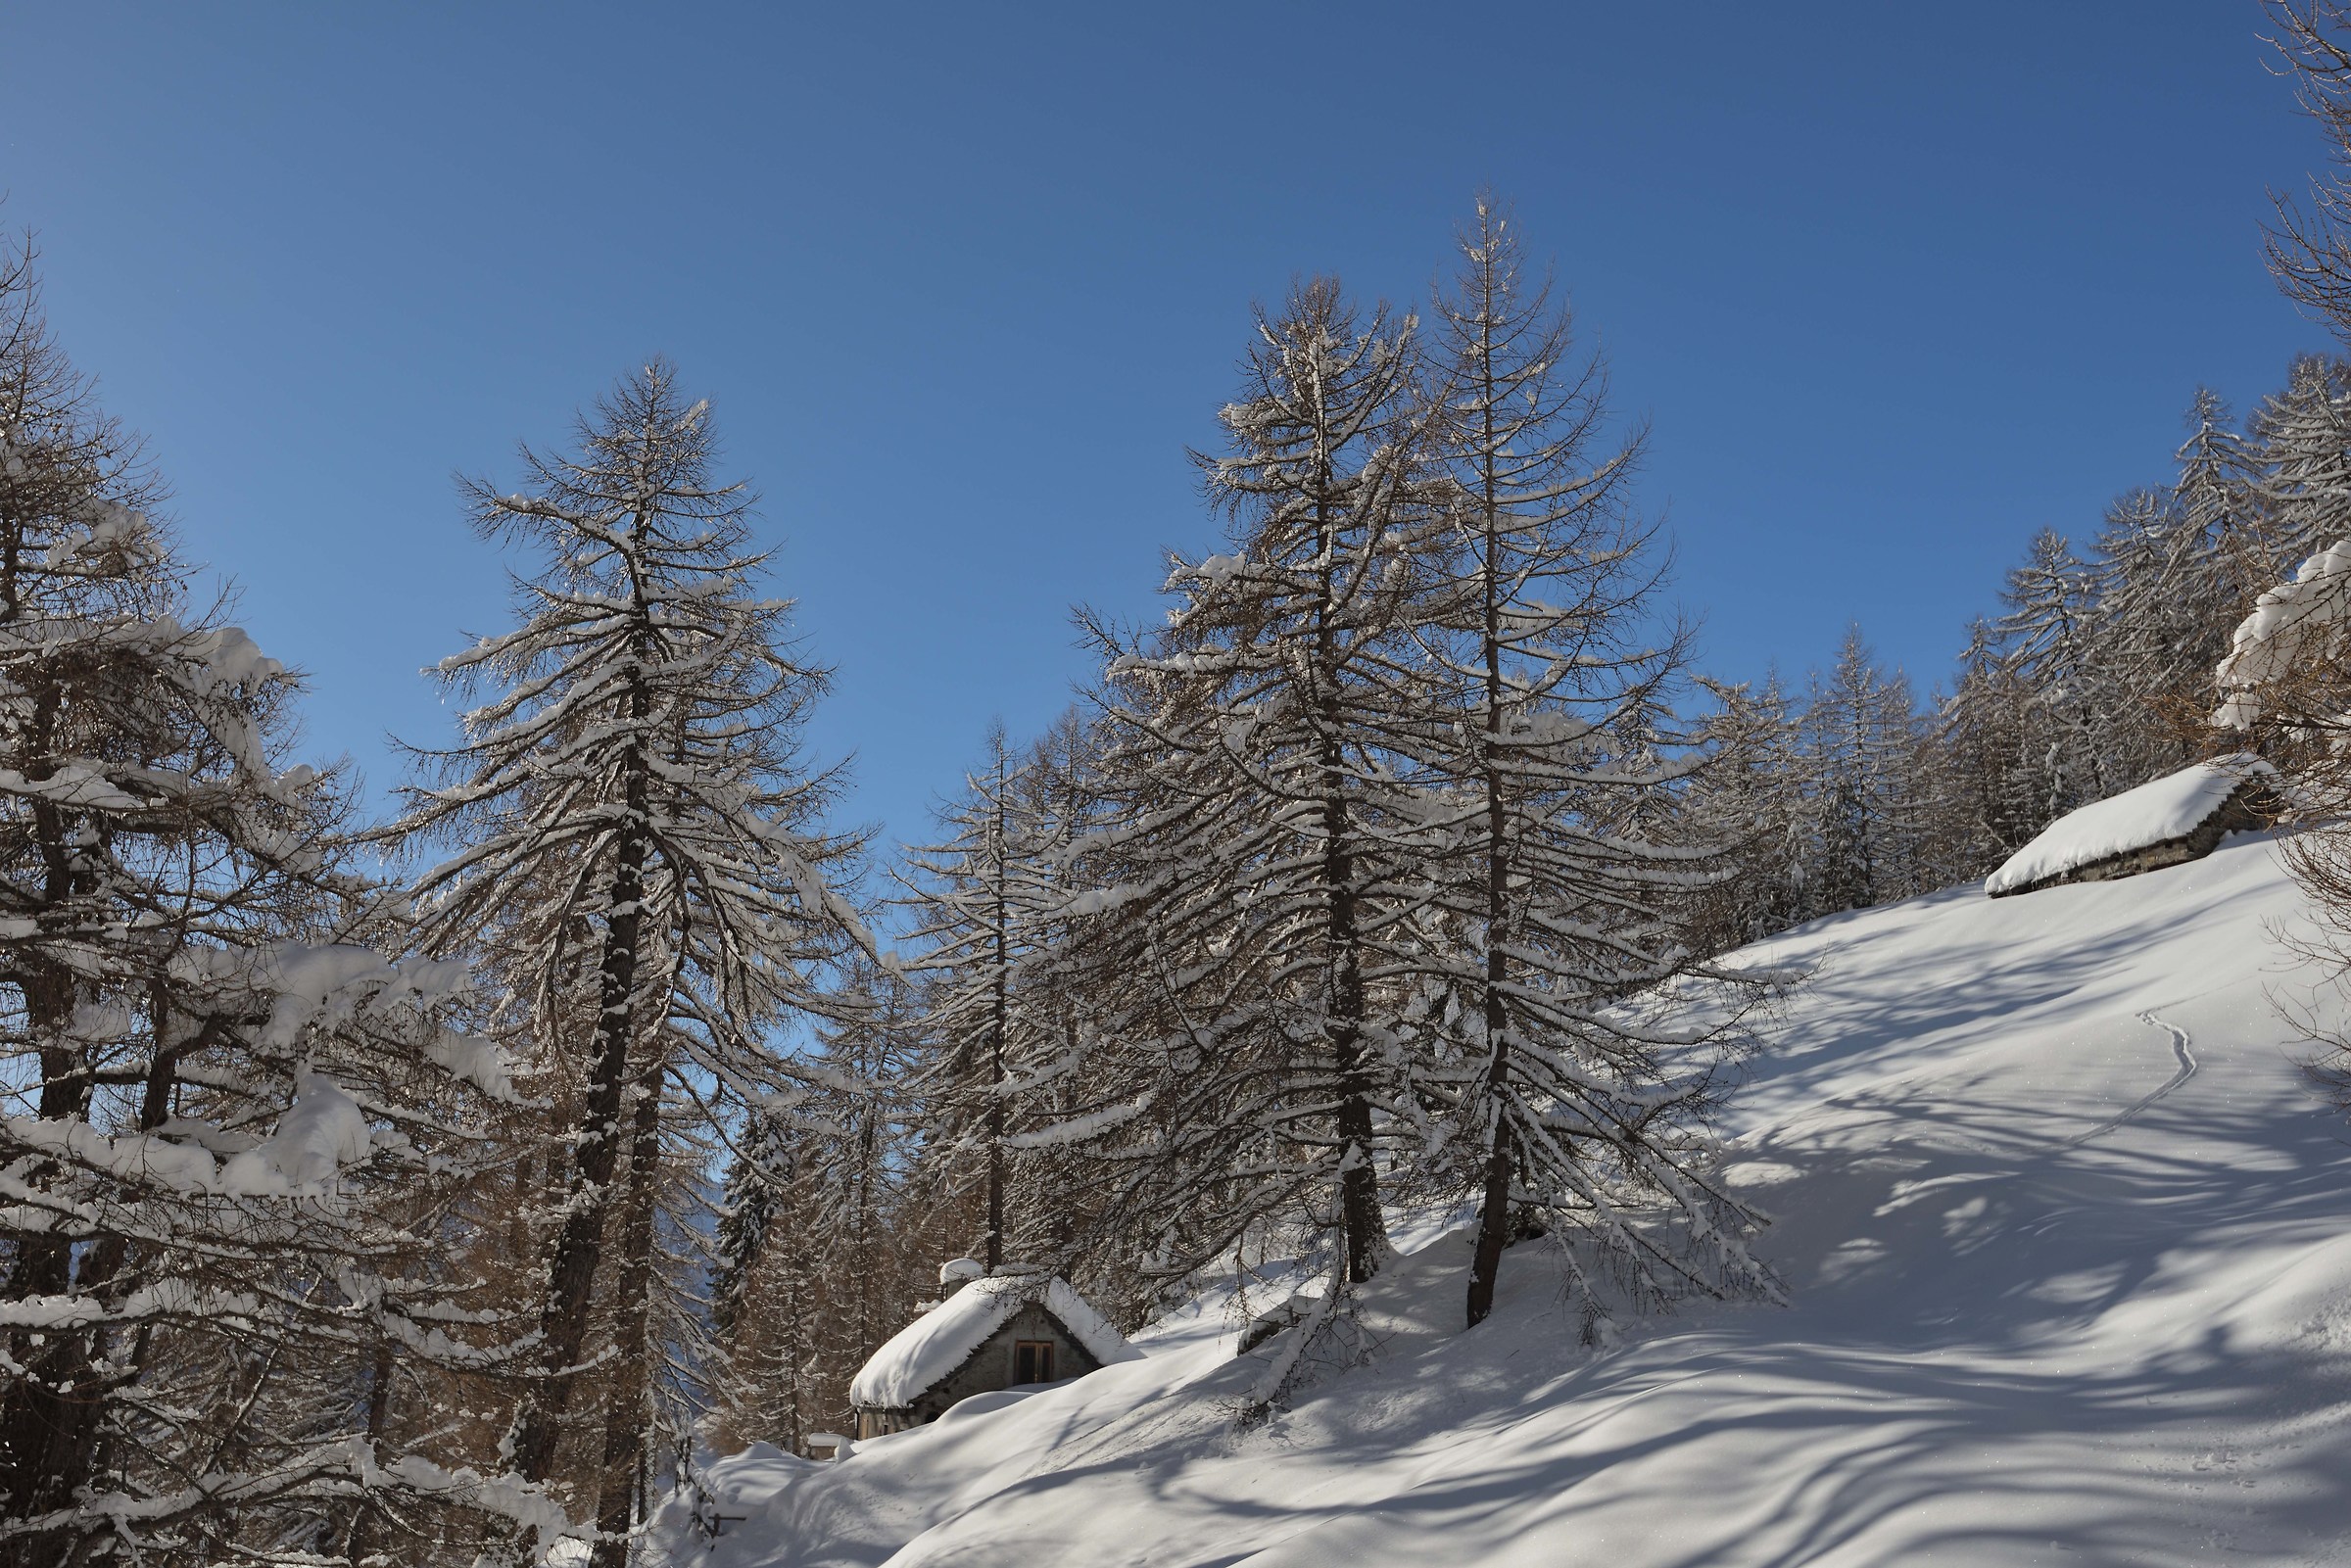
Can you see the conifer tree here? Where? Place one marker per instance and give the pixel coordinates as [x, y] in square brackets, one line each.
[1862, 733]
[877, 1266]
[2309, 247]
[820, 1253]
[2147, 637]
[2004, 764]
[1751, 797]
[2295, 496]
[2055, 640]
[1551, 795]
[230, 1126]
[1248, 875]
[764, 1301]
[979, 899]
[630, 822]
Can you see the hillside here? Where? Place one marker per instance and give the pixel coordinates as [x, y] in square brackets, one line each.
[2069, 1245]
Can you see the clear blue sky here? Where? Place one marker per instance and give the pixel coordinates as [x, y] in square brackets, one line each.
[1896, 284]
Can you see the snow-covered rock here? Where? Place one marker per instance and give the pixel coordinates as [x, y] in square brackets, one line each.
[2293, 627]
[2162, 811]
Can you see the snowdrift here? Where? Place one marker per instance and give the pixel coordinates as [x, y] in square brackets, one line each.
[2068, 1238]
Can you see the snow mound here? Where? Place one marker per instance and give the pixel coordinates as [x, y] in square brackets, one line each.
[936, 1343]
[2155, 813]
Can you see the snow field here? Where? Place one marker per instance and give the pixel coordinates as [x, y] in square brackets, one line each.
[2068, 1241]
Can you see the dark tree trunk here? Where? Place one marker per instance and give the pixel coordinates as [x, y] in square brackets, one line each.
[1359, 1182]
[49, 1420]
[361, 1539]
[1343, 1017]
[621, 1485]
[571, 1272]
[1000, 1024]
[1494, 1209]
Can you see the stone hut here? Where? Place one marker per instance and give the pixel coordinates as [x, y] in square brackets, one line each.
[996, 1331]
[2179, 817]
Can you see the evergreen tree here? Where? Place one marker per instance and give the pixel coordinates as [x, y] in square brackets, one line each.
[2055, 639]
[979, 899]
[2309, 248]
[2297, 493]
[2004, 762]
[819, 1247]
[1753, 798]
[880, 1263]
[2149, 637]
[1862, 734]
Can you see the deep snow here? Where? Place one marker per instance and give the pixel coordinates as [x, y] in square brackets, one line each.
[2068, 1240]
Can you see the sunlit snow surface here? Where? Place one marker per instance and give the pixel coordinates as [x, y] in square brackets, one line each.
[2068, 1245]
[2155, 813]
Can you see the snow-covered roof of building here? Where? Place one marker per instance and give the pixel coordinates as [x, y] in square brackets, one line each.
[2167, 808]
[942, 1339]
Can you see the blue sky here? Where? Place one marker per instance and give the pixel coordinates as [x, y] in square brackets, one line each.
[1896, 285]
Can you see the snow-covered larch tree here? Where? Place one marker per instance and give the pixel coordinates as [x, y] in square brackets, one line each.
[2310, 246]
[2057, 638]
[2296, 498]
[2285, 682]
[2003, 764]
[1580, 1110]
[1862, 733]
[227, 1128]
[1253, 816]
[1752, 798]
[979, 900]
[631, 828]
[820, 1258]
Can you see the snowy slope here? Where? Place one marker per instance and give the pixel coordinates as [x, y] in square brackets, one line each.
[2069, 1244]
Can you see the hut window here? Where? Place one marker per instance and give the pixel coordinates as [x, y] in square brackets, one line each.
[1033, 1361]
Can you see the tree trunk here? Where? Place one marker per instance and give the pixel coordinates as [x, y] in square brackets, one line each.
[1494, 1209]
[1000, 1022]
[1359, 1182]
[625, 1414]
[360, 1540]
[571, 1272]
[48, 1423]
[1343, 1001]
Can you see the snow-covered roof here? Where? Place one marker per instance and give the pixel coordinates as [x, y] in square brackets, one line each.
[2155, 813]
[942, 1339]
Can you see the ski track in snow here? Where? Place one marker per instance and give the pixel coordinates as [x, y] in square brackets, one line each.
[2181, 1050]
